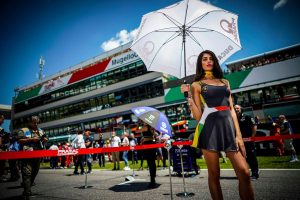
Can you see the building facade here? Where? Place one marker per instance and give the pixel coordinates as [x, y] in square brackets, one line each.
[98, 94]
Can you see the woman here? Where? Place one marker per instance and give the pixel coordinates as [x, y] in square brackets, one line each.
[221, 131]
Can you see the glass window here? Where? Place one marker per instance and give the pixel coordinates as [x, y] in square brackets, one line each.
[256, 96]
[271, 95]
[241, 98]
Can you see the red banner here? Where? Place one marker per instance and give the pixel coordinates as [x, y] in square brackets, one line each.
[11, 155]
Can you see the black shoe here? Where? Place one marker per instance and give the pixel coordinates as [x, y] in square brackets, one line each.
[82, 173]
[114, 169]
[76, 173]
[152, 185]
[254, 177]
[118, 168]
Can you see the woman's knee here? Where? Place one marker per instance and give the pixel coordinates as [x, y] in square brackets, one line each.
[244, 174]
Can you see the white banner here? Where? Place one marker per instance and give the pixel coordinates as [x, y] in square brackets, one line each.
[55, 84]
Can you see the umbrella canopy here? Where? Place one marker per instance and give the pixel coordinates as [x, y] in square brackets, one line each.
[169, 40]
[154, 118]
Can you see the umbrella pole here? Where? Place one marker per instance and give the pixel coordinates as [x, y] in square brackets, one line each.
[183, 194]
[168, 146]
[186, 94]
[86, 170]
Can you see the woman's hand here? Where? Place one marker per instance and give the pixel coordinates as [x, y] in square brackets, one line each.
[185, 88]
[240, 145]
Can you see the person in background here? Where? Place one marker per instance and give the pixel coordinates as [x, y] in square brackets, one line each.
[78, 143]
[101, 156]
[286, 129]
[30, 138]
[133, 143]
[164, 138]
[88, 141]
[150, 154]
[275, 131]
[115, 142]
[107, 145]
[125, 143]
[63, 158]
[53, 160]
[13, 164]
[2, 148]
[248, 129]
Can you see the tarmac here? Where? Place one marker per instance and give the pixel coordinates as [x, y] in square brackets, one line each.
[107, 184]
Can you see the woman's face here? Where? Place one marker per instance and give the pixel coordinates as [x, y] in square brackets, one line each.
[207, 62]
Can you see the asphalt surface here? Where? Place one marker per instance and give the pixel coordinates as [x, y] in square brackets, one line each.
[105, 184]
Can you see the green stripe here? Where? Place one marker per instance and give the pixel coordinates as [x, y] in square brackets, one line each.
[236, 79]
[174, 94]
[22, 96]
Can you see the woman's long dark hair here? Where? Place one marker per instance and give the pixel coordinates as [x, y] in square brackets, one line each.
[217, 71]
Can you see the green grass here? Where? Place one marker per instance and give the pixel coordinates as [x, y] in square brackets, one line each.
[271, 162]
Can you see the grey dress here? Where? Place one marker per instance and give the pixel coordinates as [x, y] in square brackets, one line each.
[218, 133]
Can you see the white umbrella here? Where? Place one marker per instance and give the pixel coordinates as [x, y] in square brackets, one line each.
[169, 40]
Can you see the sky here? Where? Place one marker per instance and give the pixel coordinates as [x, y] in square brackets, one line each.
[67, 32]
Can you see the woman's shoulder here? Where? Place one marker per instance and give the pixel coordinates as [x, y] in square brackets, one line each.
[197, 85]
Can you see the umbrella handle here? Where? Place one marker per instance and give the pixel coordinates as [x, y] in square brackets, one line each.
[186, 94]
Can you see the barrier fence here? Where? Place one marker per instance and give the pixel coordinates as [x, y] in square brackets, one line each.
[11, 155]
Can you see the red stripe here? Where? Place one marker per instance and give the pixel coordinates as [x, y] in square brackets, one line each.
[221, 108]
[268, 138]
[11, 155]
[89, 71]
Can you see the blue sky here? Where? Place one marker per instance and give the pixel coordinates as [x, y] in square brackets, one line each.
[66, 32]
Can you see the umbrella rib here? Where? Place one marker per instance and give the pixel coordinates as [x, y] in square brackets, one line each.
[190, 32]
[167, 41]
[158, 30]
[186, 9]
[195, 40]
[171, 19]
[202, 16]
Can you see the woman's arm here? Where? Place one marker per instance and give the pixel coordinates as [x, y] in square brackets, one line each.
[238, 136]
[194, 99]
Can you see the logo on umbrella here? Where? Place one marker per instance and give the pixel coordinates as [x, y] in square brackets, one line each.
[150, 119]
[164, 127]
[148, 48]
[230, 27]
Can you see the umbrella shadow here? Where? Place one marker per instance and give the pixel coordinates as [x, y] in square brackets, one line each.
[132, 187]
[14, 187]
[14, 198]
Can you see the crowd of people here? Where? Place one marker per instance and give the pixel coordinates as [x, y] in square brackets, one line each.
[262, 61]
[32, 138]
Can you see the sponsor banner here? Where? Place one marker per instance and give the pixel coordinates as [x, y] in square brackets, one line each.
[11, 155]
[54, 84]
[122, 59]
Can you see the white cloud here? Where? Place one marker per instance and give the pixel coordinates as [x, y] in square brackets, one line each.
[121, 38]
[279, 4]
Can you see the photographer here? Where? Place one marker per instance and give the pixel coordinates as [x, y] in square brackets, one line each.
[30, 138]
[2, 148]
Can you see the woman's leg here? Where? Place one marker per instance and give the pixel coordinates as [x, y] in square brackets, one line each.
[241, 169]
[213, 166]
